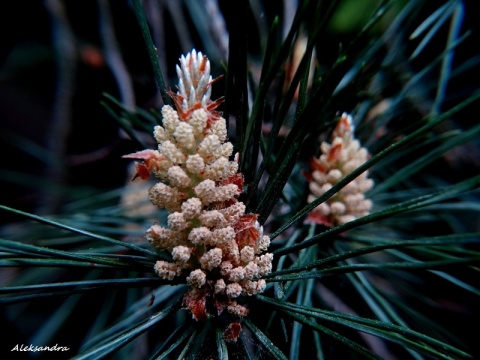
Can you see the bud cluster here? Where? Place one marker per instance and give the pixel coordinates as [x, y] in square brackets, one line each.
[338, 159]
[212, 241]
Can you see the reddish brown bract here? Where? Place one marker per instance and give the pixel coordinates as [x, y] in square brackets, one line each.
[149, 157]
[232, 332]
[196, 301]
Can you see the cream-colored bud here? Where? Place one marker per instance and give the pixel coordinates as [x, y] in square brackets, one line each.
[352, 200]
[261, 285]
[211, 259]
[219, 128]
[195, 164]
[262, 244]
[217, 169]
[247, 254]
[352, 149]
[233, 290]
[205, 191]
[208, 147]
[319, 177]
[250, 287]
[223, 235]
[160, 134]
[334, 176]
[234, 211]
[362, 154]
[170, 118]
[316, 189]
[181, 253]
[225, 192]
[337, 208]
[323, 209]
[365, 206]
[225, 149]
[251, 270]
[225, 268]
[237, 274]
[165, 196]
[171, 152]
[178, 177]
[325, 147]
[199, 235]
[351, 188]
[159, 236]
[232, 169]
[365, 185]
[345, 218]
[198, 121]
[264, 263]
[231, 251]
[326, 187]
[184, 135]
[192, 208]
[237, 310]
[351, 165]
[197, 278]
[162, 168]
[166, 270]
[311, 198]
[254, 287]
[177, 222]
[212, 218]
